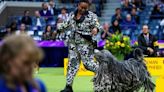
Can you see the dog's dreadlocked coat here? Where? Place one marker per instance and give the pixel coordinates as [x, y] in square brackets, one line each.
[126, 76]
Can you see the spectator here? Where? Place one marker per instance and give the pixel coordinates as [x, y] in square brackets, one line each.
[135, 16]
[18, 54]
[13, 26]
[126, 7]
[117, 16]
[162, 54]
[106, 32]
[129, 23]
[48, 34]
[156, 13]
[38, 21]
[45, 12]
[51, 7]
[8, 31]
[92, 6]
[64, 14]
[162, 23]
[148, 42]
[22, 29]
[26, 19]
[139, 4]
[115, 28]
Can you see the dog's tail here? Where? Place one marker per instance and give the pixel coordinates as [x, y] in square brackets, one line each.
[138, 54]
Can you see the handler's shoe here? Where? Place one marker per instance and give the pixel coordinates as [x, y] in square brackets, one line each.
[67, 89]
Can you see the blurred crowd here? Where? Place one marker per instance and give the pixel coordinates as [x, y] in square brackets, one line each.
[127, 19]
[44, 21]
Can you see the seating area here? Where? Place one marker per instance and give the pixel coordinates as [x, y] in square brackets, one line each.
[52, 19]
[145, 15]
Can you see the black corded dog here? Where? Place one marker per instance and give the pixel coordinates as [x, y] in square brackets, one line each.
[126, 76]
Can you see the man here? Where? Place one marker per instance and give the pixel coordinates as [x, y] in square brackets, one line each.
[38, 21]
[106, 32]
[148, 43]
[26, 19]
[117, 16]
[92, 6]
[135, 16]
[139, 4]
[127, 6]
[52, 7]
[84, 26]
[129, 23]
[45, 12]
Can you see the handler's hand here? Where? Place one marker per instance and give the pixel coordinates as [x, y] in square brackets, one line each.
[94, 31]
[150, 50]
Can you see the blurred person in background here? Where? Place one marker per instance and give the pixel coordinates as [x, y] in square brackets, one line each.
[92, 6]
[45, 12]
[38, 21]
[52, 7]
[18, 55]
[162, 53]
[129, 23]
[49, 34]
[115, 28]
[106, 33]
[157, 13]
[64, 14]
[22, 29]
[8, 31]
[162, 23]
[148, 42]
[26, 19]
[127, 6]
[13, 26]
[139, 4]
[118, 15]
[135, 15]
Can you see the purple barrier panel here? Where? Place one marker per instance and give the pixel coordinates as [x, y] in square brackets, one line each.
[51, 43]
[101, 43]
[161, 41]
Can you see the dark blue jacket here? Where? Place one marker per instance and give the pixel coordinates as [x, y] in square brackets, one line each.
[5, 88]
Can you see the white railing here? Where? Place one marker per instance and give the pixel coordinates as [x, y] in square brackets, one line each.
[2, 5]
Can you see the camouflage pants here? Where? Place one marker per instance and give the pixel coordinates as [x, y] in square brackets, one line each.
[84, 52]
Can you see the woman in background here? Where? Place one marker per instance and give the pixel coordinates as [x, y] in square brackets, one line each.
[48, 34]
[18, 55]
[115, 28]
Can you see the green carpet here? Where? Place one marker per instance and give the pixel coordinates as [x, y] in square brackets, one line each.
[54, 80]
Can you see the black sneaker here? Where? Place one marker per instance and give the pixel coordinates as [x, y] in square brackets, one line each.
[67, 89]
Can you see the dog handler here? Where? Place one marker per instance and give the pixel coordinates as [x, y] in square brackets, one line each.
[84, 26]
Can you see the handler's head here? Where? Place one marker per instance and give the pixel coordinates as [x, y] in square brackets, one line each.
[83, 6]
